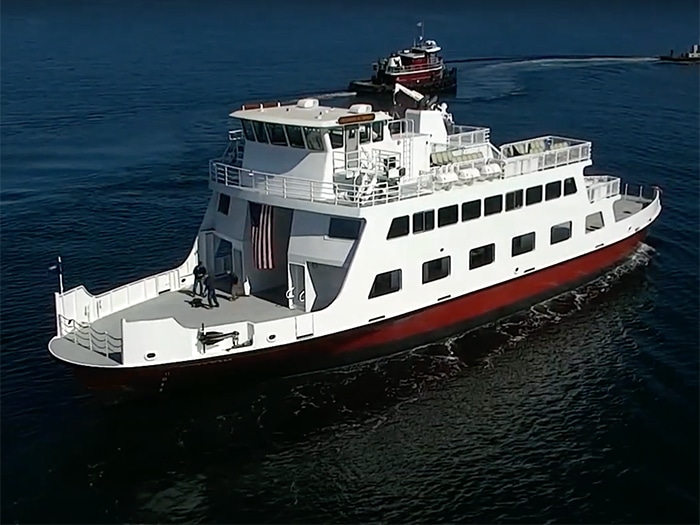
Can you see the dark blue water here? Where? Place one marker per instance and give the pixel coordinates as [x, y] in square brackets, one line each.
[582, 410]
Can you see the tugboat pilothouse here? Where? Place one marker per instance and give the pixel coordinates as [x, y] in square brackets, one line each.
[335, 235]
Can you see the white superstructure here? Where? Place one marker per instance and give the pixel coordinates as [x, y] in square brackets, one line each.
[372, 218]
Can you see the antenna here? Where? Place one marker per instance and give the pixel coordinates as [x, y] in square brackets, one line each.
[422, 31]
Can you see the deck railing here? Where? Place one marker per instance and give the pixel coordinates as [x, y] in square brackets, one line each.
[83, 334]
[601, 187]
[413, 68]
[543, 153]
[83, 307]
[335, 193]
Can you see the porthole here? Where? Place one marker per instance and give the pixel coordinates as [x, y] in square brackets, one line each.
[150, 356]
[271, 337]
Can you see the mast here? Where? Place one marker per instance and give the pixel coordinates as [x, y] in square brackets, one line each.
[422, 33]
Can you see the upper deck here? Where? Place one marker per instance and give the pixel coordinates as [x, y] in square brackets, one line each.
[371, 159]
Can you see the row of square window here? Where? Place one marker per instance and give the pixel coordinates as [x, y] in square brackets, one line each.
[436, 269]
[425, 220]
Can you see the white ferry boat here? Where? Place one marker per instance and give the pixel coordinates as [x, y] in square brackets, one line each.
[355, 234]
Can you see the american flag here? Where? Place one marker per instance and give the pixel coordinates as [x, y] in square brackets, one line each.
[261, 231]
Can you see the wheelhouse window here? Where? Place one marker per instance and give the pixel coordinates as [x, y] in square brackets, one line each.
[569, 186]
[260, 132]
[482, 256]
[276, 134]
[533, 195]
[336, 136]
[493, 205]
[514, 200]
[398, 228]
[523, 244]
[314, 139]
[340, 228]
[377, 131]
[448, 215]
[560, 232]
[552, 190]
[386, 283]
[364, 133]
[471, 210]
[248, 130]
[436, 269]
[423, 221]
[295, 136]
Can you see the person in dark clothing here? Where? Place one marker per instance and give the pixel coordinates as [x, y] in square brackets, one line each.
[211, 292]
[235, 286]
[199, 272]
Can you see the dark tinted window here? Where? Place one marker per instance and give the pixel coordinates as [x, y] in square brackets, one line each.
[398, 228]
[533, 195]
[514, 200]
[552, 190]
[482, 256]
[344, 228]
[448, 215]
[471, 210]
[423, 221]
[493, 205]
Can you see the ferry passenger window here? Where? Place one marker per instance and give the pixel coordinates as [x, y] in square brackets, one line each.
[514, 200]
[436, 269]
[423, 221]
[344, 228]
[314, 139]
[248, 130]
[594, 222]
[533, 195]
[569, 186]
[276, 134]
[336, 135]
[552, 190]
[560, 232]
[224, 203]
[448, 215]
[386, 283]
[482, 256]
[523, 244]
[398, 228]
[295, 136]
[493, 205]
[377, 131]
[364, 133]
[471, 210]
[260, 133]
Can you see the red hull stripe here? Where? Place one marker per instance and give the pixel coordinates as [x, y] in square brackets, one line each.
[384, 337]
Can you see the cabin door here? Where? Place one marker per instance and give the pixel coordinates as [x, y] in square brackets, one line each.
[297, 292]
[352, 153]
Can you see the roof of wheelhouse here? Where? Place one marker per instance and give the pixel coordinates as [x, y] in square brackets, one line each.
[308, 112]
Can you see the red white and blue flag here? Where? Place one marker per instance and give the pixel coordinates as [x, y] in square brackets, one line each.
[261, 233]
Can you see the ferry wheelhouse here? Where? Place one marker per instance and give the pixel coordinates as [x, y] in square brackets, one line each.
[355, 233]
[418, 67]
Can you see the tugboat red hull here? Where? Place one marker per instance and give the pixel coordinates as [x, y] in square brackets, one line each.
[363, 343]
[447, 84]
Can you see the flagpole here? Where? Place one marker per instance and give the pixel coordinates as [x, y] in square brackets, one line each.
[60, 275]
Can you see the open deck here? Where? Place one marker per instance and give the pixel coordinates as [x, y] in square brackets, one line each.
[100, 343]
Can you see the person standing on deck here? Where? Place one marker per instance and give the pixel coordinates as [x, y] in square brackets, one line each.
[211, 292]
[199, 272]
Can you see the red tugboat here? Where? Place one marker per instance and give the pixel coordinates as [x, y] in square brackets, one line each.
[419, 67]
